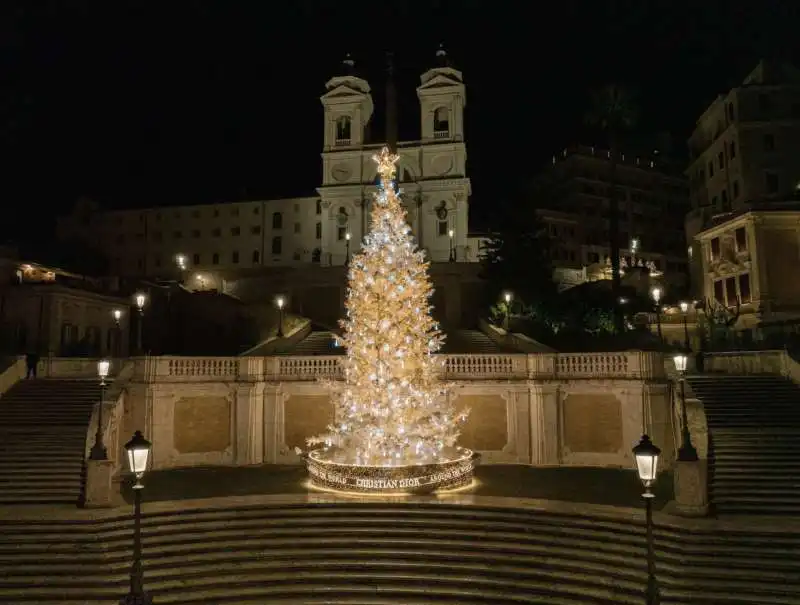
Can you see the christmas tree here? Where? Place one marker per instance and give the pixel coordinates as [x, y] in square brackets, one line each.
[391, 408]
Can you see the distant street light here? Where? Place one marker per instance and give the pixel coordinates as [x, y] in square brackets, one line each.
[452, 234]
[140, 299]
[508, 297]
[347, 251]
[280, 302]
[685, 310]
[687, 452]
[98, 451]
[656, 294]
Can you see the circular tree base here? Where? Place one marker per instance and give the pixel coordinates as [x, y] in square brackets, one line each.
[451, 472]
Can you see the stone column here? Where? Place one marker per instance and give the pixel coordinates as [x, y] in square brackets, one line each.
[101, 490]
[691, 489]
[272, 419]
[544, 432]
[249, 448]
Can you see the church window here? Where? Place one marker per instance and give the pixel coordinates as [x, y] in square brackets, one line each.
[255, 229]
[235, 258]
[277, 244]
[256, 257]
[215, 258]
[277, 220]
[319, 206]
[195, 259]
[341, 233]
[297, 227]
[318, 233]
[441, 122]
[236, 230]
[343, 124]
[442, 227]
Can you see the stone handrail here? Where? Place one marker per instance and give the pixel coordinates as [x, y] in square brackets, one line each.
[113, 407]
[636, 365]
[12, 375]
[772, 361]
[75, 367]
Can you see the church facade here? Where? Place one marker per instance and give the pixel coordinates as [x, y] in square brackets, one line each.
[215, 239]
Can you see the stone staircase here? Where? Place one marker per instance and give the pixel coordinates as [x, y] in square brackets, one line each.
[394, 553]
[317, 343]
[471, 341]
[43, 426]
[754, 445]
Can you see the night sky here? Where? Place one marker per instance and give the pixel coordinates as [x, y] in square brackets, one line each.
[181, 102]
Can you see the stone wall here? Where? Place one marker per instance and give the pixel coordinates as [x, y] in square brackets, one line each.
[540, 409]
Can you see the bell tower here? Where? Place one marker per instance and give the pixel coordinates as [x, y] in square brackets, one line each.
[442, 98]
[347, 104]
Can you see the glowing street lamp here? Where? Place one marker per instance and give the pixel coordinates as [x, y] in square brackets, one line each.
[138, 451]
[280, 302]
[685, 310]
[656, 294]
[98, 451]
[687, 452]
[646, 455]
[140, 298]
[508, 297]
[117, 315]
[347, 252]
[452, 234]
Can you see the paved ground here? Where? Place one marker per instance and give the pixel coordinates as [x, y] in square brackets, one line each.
[612, 487]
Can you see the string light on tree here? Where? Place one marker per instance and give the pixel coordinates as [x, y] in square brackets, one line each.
[395, 428]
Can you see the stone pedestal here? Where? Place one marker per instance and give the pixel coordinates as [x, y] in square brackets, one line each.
[99, 484]
[691, 488]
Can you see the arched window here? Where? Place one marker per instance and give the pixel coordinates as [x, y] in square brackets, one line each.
[277, 220]
[441, 122]
[343, 124]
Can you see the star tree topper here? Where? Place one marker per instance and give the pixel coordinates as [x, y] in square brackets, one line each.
[386, 161]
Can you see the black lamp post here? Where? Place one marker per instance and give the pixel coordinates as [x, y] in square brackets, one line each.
[140, 299]
[685, 310]
[656, 294]
[452, 234]
[98, 451]
[646, 455]
[347, 251]
[687, 452]
[508, 297]
[138, 450]
[280, 302]
[117, 315]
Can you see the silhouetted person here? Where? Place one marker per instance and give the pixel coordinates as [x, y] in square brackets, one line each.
[31, 362]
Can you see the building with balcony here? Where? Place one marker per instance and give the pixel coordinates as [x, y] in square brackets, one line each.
[319, 229]
[573, 197]
[745, 153]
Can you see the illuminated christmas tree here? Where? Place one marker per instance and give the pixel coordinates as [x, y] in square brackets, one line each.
[391, 408]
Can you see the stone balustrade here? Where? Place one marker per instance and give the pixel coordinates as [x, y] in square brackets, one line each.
[635, 365]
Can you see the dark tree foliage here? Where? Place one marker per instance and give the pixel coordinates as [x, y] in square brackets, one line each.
[73, 256]
[516, 260]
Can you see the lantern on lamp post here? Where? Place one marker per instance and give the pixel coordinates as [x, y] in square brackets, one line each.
[98, 451]
[347, 250]
[646, 455]
[140, 298]
[687, 452]
[117, 315]
[508, 297]
[655, 293]
[138, 452]
[685, 311]
[451, 233]
[280, 302]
